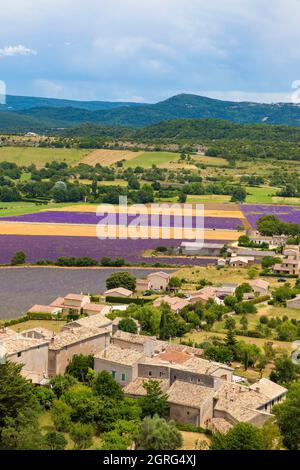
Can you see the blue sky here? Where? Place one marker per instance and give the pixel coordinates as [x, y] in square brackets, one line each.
[148, 50]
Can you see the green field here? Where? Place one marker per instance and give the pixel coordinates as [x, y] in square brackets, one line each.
[260, 195]
[152, 158]
[9, 209]
[39, 156]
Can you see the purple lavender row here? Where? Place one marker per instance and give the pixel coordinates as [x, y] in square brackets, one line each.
[285, 213]
[87, 218]
[53, 247]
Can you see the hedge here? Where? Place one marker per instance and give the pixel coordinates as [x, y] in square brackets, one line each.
[42, 316]
[127, 300]
[191, 428]
[16, 321]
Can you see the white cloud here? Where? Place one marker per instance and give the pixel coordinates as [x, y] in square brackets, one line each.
[13, 51]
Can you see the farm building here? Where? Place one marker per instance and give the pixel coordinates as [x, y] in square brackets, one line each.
[158, 281]
[201, 249]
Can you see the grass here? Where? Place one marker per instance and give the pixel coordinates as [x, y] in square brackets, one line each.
[190, 439]
[51, 325]
[147, 159]
[260, 195]
[9, 209]
[39, 156]
[208, 198]
[201, 336]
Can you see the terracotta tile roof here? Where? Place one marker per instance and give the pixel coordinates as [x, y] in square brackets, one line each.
[160, 274]
[119, 290]
[76, 297]
[136, 387]
[176, 303]
[188, 394]
[240, 402]
[59, 302]
[132, 338]
[259, 283]
[93, 321]
[269, 388]
[75, 335]
[117, 355]
[175, 357]
[90, 306]
[221, 425]
[42, 309]
[17, 344]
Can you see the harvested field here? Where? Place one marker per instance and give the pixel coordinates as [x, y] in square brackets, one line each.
[109, 157]
[15, 228]
[40, 156]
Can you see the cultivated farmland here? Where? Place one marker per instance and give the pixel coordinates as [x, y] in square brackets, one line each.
[109, 157]
[40, 156]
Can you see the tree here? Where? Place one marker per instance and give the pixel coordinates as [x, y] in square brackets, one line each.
[175, 283]
[106, 386]
[128, 325]
[82, 435]
[244, 323]
[269, 225]
[45, 396]
[242, 436]
[252, 272]
[55, 441]
[288, 418]
[16, 393]
[241, 290]
[122, 279]
[285, 370]
[61, 383]
[158, 434]
[272, 439]
[155, 402]
[230, 323]
[61, 415]
[168, 328]
[238, 194]
[270, 261]
[79, 367]
[230, 340]
[18, 258]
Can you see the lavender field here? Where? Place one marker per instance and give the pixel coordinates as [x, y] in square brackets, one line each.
[89, 218]
[52, 247]
[23, 287]
[285, 213]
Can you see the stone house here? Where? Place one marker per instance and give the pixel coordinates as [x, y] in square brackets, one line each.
[176, 303]
[158, 281]
[31, 352]
[142, 285]
[121, 363]
[259, 286]
[74, 341]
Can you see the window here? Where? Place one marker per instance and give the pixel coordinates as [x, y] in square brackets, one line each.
[150, 373]
[19, 354]
[113, 373]
[123, 377]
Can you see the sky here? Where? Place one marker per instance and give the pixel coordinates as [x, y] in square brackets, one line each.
[149, 50]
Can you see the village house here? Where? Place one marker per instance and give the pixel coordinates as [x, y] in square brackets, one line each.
[191, 403]
[258, 255]
[290, 265]
[201, 249]
[139, 343]
[94, 321]
[119, 292]
[158, 281]
[176, 303]
[241, 261]
[259, 286]
[122, 364]
[74, 341]
[203, 295]
[273, 241]
[142, 285]
[225, 290]
[31, 352]
[40, 309]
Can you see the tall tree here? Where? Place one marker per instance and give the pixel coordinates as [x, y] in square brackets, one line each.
[155, 402]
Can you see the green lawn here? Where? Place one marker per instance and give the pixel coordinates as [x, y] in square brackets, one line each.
[9, 209]
[39, 156]
[260, 195]
[152, 158]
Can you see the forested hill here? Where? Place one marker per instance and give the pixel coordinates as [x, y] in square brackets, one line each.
[193, 130]
[63, 113]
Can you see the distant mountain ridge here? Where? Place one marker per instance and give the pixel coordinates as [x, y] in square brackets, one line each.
[63, 113]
